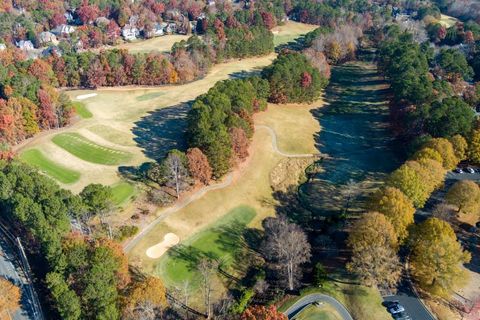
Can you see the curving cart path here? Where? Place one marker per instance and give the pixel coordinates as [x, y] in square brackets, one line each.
[317, 297]
[200, 193]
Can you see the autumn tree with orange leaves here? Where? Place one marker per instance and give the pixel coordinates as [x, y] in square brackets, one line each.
[198, 165]
[9, 298]
[263, 313]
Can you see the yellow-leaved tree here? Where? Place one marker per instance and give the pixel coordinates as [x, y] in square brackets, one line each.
[437, 258]
[460, 146]
[397, 207]
[145, 299]
[445, 149]
[474, 146]
[465, 194]
[374, 251]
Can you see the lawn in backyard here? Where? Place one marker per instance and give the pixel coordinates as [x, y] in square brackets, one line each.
[89, 151]
[290, 31]
[56, 171]
[82, 110]
[122, 192]
[221, 241]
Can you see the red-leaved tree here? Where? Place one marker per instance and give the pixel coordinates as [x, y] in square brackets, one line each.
[198, 165]
[263, 313]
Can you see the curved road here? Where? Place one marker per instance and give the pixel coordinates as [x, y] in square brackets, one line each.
[317, 297]
[200, 193]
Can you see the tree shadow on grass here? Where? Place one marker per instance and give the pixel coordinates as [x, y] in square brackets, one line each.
[162, 130]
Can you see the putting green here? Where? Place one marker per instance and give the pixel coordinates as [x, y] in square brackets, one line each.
[222, 241]
[58, 172]
[82, 110]
[122, 192]
[89, 151]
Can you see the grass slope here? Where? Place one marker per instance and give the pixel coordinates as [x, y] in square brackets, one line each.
[322, 312]
[58, 172]
[122, 192]
[89, 151]
[221, 241]
[82, 110]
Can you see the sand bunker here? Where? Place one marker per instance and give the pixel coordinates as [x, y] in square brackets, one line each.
[156, 251]
[86, 96]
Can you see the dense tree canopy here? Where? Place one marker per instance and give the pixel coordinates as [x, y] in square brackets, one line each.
[293, 79]
[465, 194]
[396, 207]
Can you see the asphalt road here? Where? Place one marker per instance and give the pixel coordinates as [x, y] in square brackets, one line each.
[413, 306]
[10, 269]
[318, 297]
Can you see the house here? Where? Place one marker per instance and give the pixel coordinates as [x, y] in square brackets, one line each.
[130, 32]
[159, 29]
[171, 28]
[68, 16]
[210, 2]
[47, 37]
[25, 45]
[52, 51]
[63, 29]
[2, 46]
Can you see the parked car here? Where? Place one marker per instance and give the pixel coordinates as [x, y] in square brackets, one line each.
[401, 316]
[396, 308]
[470, 170]
[458, 170]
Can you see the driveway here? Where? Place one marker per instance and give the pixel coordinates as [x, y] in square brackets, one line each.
[318, 297]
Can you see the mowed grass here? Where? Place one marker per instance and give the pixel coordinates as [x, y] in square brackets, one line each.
[322, 312]
[362, 302]
[122, 192]
[290, 31]
[111, 134]
[149, 96]
[158, 44]
[220, 241]
[58, 172]
[447, 21]
[89, 151]
[82, 110]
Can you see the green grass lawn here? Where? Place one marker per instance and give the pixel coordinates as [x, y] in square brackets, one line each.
[58, 172]
[149, 96]
[111, 134]
[313, 312]
[82, 110]
[223, 241]
[362, 302]
[122, 192]
[89, 151]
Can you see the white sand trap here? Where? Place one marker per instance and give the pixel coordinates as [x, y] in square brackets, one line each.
[156, 251]
[86, 96]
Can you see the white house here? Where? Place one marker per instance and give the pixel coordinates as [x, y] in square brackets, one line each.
[171, 28]
[47, 37]
[159, 29]
[2, 46]
[130, 32]
[63, 29]
[25, 45]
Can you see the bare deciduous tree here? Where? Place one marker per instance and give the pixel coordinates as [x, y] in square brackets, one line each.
[176, 171]
[207, 269]
[285, 247]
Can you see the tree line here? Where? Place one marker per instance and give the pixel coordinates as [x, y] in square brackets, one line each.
[425, 105]
[29, 102]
